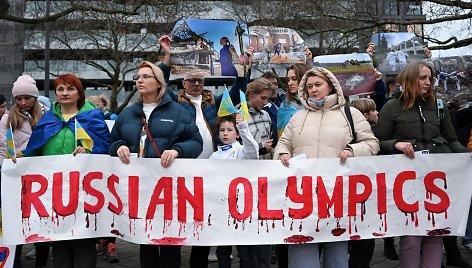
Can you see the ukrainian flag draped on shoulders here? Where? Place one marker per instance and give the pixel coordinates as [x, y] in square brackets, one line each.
[54, 136]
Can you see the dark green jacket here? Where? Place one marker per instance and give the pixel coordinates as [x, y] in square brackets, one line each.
[419, 125]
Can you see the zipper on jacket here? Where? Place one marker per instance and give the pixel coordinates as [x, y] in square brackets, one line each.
[423, 121]
[319, 132]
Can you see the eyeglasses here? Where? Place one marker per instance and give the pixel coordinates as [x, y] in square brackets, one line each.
[193, 81]
[144, 76]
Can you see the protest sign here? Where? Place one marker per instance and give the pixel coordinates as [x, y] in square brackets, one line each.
[354, 72]
[227, 202]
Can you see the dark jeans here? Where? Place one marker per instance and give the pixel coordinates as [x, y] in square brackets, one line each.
[17, 260]
[79, 253]
[152, 256]
[199, 257]
[282, 255]
[42, 253]
[361, 253]
[254, 256]
[223, 254]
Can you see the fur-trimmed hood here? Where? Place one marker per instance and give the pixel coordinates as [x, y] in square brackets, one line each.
[330, 100]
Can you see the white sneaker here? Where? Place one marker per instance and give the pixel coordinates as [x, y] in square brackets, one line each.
[31, 255]
[212, 257]
[231, 257]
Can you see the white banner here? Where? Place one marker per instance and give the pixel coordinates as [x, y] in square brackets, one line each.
[227, 202]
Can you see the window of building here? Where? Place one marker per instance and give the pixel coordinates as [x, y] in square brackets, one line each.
[391, 7]
[413, 8]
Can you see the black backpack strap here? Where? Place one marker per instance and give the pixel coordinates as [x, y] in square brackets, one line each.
[347, 110]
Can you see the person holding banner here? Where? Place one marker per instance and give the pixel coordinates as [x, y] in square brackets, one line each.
[20, 121]
[231, 129]
[412, 122]
[321, 129]
[155, 127]
[57, 133]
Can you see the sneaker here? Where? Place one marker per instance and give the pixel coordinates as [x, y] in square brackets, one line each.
[231, 257]
[110, 255]
[31, 255]
[212, 257]
[467, 246]
[101, 247]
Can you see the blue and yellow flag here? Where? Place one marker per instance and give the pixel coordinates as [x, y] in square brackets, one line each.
[244, 108]
[82, 136]
[226, 105]
[10, 143]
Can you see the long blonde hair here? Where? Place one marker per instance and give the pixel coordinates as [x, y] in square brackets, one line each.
[16, 118]
[408, 80]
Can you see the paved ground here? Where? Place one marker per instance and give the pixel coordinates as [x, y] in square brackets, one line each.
[128, 255]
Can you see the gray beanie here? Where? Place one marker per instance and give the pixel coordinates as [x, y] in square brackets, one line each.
[25, 85]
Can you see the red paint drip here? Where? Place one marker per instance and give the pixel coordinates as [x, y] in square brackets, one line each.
[385, 223]
[273, 224]
[113, 222]
[37, 238]
[87, 222]
[209, 219]
[416, 219]
[338, 231]
[437, 232]
[355, 237]
[378, 234]
[300, 227]
[317, 226]
[291, 226]
[445, 214]
[117, 233]
[362, 211]
[168, 241]
[298, 239]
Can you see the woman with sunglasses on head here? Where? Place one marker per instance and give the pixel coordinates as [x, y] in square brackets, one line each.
[155, 127]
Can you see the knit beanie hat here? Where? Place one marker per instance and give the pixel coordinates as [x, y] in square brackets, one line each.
[25, 85]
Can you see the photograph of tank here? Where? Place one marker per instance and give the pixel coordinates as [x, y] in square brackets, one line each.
[394, 50]
[355, 72]
[212, 47]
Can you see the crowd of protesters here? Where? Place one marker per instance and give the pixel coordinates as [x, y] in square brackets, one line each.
[310, 116]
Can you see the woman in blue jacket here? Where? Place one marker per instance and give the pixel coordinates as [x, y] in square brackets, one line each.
[155, 117]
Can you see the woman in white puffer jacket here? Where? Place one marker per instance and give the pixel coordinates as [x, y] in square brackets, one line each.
[321, 129]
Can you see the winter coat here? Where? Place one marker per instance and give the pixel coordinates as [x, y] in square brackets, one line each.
[54, 136]
[210, 103]
[170, 125]
[419, 125]
[21, 136]
[248, 150]
[325, 131]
